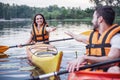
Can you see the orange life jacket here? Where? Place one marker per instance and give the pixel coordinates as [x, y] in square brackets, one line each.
[41, 35]
[100, 45]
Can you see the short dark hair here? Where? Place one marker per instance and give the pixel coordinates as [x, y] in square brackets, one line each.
[34, 21]
[107, 13]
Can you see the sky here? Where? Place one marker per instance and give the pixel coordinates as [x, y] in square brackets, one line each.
[83, 4]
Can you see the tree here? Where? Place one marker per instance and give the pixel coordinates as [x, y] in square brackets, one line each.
[106, 2]
[1, 10]
[6, 12]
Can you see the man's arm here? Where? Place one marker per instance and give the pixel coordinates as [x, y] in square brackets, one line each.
[113, 54]
[79, 37]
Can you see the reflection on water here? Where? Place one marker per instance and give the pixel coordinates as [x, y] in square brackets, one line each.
[7, 27]
[2, 55]
[15, 65]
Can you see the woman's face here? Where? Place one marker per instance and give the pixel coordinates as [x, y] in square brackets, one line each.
[39, 20]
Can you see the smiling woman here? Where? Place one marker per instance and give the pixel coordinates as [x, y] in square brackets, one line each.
[40, 30]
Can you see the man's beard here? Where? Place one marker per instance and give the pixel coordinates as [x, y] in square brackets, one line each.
[95, 26]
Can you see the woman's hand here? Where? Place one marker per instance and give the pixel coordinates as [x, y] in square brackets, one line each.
[50, 29]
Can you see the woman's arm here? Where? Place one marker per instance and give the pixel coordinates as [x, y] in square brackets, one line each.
[30, 39]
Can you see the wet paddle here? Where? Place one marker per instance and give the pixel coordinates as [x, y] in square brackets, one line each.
[81, 68]
[4, 48]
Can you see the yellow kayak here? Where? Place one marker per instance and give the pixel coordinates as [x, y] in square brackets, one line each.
[45, 57]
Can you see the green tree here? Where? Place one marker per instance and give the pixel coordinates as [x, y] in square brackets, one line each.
[6, 12]
[1, 10]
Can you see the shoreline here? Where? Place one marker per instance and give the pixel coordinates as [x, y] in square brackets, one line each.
[29, 19]
[15, 19]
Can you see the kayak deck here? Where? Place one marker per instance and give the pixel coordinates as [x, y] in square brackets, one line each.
[47, 62]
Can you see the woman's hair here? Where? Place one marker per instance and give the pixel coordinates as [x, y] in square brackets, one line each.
[107, 13]
[34, 21]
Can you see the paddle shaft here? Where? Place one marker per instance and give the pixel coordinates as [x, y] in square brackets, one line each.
[81, 68]
[21, 45]
[4, 48]
[60, 40]
[44, 42]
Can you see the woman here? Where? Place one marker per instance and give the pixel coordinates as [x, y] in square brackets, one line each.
[40, 30]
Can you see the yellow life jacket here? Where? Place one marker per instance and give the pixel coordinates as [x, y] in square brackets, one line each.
[41, 35]
[100, 46]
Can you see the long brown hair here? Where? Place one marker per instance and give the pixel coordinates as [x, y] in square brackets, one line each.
[34, 21]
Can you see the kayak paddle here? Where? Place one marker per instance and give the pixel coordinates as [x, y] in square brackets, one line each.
[4, 48]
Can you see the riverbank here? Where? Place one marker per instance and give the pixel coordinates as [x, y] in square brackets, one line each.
[29, 19]
[15, 19]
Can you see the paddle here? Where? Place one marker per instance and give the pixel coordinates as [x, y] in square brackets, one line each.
[81, 68]
[4, 48]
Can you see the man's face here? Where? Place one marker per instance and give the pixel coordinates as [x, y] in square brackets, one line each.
[95, 21]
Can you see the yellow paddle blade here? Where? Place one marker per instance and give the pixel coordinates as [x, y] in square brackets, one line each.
[86, 33]
[3, 48]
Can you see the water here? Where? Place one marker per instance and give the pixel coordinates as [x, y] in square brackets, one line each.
[16, 66]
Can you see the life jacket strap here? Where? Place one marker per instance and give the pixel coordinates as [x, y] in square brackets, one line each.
[98, 45]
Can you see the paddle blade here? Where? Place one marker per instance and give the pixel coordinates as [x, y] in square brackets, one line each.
[3, 49]
[86, 33]
[3, 56]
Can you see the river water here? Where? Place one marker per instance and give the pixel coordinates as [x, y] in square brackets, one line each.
[16, 65]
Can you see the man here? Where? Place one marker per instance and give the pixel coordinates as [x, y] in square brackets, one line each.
[103, 43]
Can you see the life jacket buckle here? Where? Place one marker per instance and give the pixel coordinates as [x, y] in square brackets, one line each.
[92, 45]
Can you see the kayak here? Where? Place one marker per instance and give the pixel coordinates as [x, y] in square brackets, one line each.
[90, 75]
[45, 57]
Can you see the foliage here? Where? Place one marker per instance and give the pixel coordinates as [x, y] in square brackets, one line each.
[106, 2]
[52, 12]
